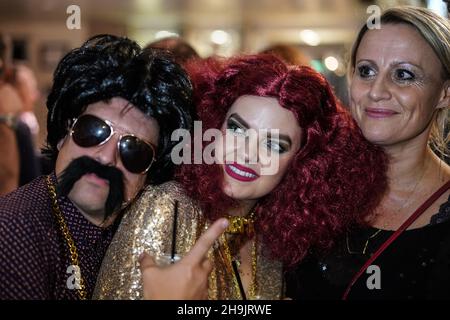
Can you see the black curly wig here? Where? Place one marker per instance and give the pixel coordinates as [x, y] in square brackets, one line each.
[107, 66]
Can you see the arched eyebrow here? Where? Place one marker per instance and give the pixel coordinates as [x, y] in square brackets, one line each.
[280, 137]
[400, 62]
[237, 118]
[392, 64]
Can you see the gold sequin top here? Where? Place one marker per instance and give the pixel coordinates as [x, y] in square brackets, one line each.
[147, 226]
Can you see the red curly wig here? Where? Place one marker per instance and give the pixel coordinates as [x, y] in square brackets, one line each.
[334, 181]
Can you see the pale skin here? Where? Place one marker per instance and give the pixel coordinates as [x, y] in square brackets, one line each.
[396, 88]
[185, 279]
[258, 113]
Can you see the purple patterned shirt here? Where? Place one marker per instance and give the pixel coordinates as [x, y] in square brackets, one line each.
[34, 255]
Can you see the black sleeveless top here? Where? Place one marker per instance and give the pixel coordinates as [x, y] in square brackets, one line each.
[415, 266]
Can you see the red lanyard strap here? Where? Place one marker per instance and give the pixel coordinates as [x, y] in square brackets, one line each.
[396, 234]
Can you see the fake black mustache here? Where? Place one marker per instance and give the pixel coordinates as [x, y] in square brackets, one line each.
[83, 165]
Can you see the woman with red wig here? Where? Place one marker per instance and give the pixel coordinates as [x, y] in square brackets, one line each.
[328, 178]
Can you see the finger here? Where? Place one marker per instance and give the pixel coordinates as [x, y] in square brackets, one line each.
[146, 261]
[206, 295]
[207, 265]
[206, 240]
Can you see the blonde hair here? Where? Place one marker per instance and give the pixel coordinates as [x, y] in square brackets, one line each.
[435, 30]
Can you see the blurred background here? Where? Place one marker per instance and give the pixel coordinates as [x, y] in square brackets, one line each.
[323, 30]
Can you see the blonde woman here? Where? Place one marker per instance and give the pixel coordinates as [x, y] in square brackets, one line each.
[400, 99]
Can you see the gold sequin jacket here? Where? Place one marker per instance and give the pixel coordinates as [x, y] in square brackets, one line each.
[147, 226]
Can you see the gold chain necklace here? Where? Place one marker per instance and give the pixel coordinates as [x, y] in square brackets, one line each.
[241, 225]
[365, 245]
[66, 233]
[411, 193]
[407, 201]
[253, 285]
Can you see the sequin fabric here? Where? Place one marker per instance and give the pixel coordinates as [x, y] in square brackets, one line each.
[415, 267]
[147, 226]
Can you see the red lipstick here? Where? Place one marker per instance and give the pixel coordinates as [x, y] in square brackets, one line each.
[240, 172]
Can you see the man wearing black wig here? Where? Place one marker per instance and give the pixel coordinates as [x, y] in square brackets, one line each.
[111, 112]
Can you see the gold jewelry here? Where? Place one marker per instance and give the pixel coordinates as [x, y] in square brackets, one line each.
[365, 245]
[413, 191]
[241, 225]
[253, 286]
[407, 201]
[66, 233]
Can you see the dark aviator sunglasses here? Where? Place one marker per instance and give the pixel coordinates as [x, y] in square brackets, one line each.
[136, 154]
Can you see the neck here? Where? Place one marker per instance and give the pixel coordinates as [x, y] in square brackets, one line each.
[94, 218]
[414, 163]
[409, 159]
[97, 218]
[406, 165]
[244, 208]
